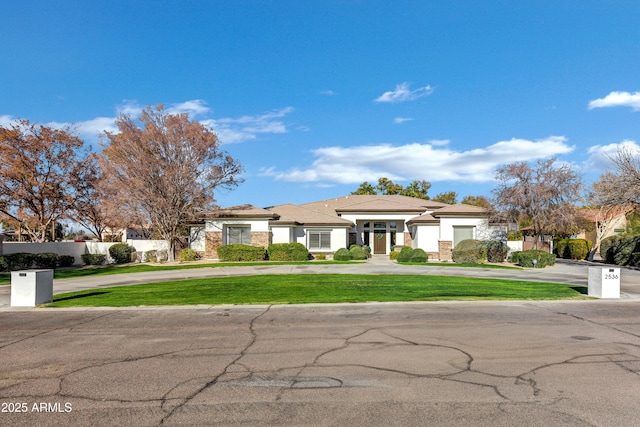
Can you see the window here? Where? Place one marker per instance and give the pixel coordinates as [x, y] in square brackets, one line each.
[319, 240]
[239, 235]
[461, 233]
[380, 225]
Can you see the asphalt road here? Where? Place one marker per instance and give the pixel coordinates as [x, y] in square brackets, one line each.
[491, 363]
[456, 364]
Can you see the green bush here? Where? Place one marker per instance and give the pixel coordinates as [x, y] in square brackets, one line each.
[514, 236]
[619, 250]
[572, 248]
[150, 256]
[470, 251]
[93, 259]
[288, 252]
[19, 261]
[605, 247]
[46, 260]
[394, 255]
[496, 250]
[3, 264]
[239, 252]
[342, 254]
[66, 260]
[418, 255]
[357, 253]
[120, 253]
[320, 257]
[525, 258]
[405, 254]
[188, 254]
[162, 255]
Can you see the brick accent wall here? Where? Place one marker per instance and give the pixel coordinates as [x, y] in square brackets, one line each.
[261, 238]
[433, 255]
[446, 249]
[212, 239]
[407, 239]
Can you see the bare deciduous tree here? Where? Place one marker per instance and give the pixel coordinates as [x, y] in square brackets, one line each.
[546, 195]
[40, 173]
[168, 169]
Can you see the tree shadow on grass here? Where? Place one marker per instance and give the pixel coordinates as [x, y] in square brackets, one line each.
[90, 294]
[581, 289]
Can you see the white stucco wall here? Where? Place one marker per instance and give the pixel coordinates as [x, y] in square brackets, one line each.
[447, 224]
[281, 235]
[426, 237]
[219, 225]
[197, 239]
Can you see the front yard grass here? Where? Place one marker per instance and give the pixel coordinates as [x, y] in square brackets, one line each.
[317, 288]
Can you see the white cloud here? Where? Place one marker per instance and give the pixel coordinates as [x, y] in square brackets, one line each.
[6, 120]
[232, 130]
[328, 93]
[402, 93]
[430, 161]
[400, 120]
[617, 99]
[193, 108]
[600, 155]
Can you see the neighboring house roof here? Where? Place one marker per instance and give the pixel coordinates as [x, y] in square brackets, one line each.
[460, 209]
[299, 215]
[605, 214]
[242, 211]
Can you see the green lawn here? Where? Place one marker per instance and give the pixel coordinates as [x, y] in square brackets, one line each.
[5, 278]
[317, 288]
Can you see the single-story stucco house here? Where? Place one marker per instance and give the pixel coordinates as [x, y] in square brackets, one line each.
[382, 222]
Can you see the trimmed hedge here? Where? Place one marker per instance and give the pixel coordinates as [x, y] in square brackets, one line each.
[238, 252]
[288, 252]
[470, 251]
[120, 253]
[525, 258]
[19, 261]
[187, 254]
[93, 259]
[418, 255]
[572, 248]
[342, 254]
[497, 251]
[66, 260]
[405, 254]
[394, 255]
[357, 253]
[46, 260]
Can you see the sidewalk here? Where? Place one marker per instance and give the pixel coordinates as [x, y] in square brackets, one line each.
[575, 273]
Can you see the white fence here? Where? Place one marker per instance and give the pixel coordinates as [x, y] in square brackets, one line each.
[76, 249]
[515, 245]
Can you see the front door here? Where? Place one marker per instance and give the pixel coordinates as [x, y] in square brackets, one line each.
[380, 242]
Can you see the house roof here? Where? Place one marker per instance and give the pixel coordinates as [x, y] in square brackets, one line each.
[295, 214]
[424, 219]
[328, 212]
[242, 211]
[460, 209]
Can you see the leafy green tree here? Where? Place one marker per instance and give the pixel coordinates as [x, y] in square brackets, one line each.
[481, 201]
[450, 197]
[365, 188]
[388, 187]
[417, 189]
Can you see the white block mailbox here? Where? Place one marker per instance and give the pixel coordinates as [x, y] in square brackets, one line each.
[604, 282]
[31, 287]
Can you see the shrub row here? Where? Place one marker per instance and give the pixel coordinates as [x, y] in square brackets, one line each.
[407, 254]
[287, 252]
[354, 252]
[525, 258]
[472, 251]
[572, 248]
[241, 253]
[24, 261]
[621, 250]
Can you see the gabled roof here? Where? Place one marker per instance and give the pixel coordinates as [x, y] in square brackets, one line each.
[374, 203]
[299, 215]
[380, 205]
[461, 209]
[242, 211]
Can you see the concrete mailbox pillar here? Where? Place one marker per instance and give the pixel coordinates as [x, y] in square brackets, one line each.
[604, 282]
[31, 287]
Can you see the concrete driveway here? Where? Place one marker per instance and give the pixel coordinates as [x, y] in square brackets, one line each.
[490, 363]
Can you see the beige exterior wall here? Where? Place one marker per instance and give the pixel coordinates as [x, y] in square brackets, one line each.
[445, 250]
[213, 239]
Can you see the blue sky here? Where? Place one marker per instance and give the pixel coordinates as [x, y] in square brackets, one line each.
[314, 97]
